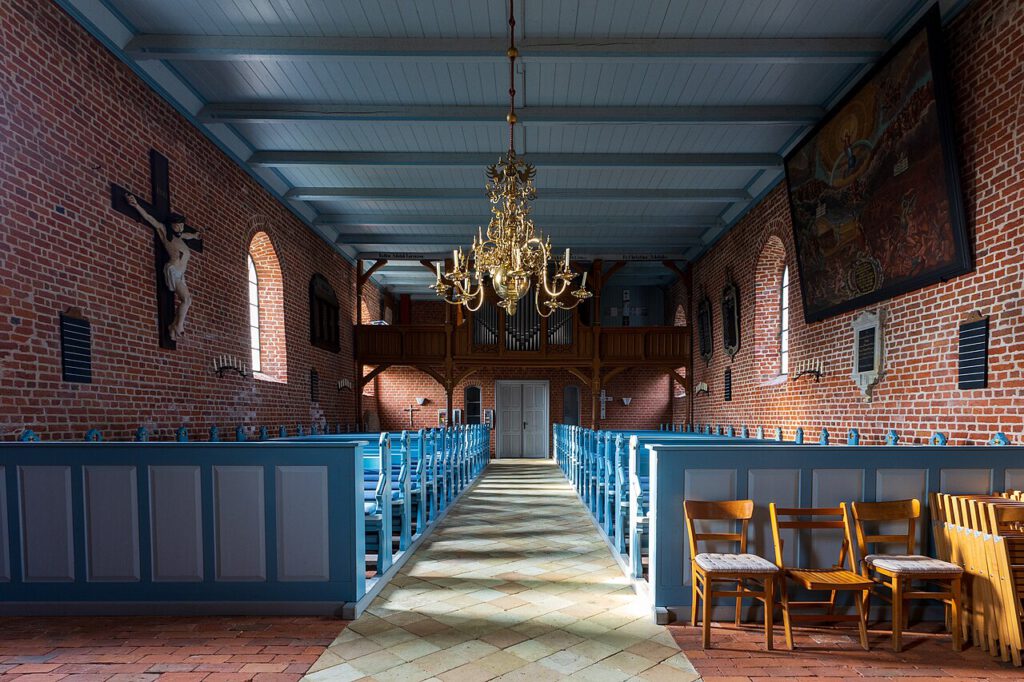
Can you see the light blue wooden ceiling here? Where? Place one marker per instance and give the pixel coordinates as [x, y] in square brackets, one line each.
[291, 87]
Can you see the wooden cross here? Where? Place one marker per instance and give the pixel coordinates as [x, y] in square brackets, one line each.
[159, 207]
[604, 399]
[410, 410]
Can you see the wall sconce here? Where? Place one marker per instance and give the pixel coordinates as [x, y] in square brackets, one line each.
[421, 401]
[681, 394]
[627, 401]
[700, 388]
[345, 383]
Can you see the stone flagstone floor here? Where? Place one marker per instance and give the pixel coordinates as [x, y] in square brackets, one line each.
[515, 584]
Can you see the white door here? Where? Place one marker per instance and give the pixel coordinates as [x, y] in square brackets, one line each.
[522, 408]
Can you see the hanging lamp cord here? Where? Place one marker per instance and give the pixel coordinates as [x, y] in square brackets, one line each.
[512, 53]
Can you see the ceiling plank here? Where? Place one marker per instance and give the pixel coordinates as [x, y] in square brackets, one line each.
[552, 194]
[371, 220]
[275, 159]
[179, 47]
[633, 254]
[288, 112]
[440, 240]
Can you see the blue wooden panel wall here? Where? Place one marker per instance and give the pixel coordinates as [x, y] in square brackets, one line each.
[802, 475]
[271, 523]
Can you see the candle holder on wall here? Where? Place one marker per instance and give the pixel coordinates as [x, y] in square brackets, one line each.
[813, 368]
[702, 387]
[227, 364]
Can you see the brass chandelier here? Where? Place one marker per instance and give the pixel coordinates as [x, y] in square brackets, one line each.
[509, 252]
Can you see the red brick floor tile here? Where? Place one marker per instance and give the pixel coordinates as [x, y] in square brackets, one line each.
[164, 649]
[823, 654]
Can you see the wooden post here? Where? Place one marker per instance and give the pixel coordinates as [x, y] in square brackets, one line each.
[361, 279]
[359, 291]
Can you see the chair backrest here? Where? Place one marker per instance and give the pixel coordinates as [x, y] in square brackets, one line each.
[726, 510]
[1006, 518]
[881, 512]
[813, 518]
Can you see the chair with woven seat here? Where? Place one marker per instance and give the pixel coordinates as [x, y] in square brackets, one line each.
[834, 579]
[754, 576]
[898, 572]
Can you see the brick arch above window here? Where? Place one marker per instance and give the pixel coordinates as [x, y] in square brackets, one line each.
[273, 349]
[768, 309]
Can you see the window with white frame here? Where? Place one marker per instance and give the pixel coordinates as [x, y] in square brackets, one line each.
[254, 316]
[784, 327]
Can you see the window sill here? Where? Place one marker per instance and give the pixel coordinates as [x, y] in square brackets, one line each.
[777, 380]
[266, 377]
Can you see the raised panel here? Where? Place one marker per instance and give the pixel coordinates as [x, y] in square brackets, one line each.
[965, 481]
[5, 557]
[239, 522]
[666, 345]
[112, 523]
[764, 486]
[425, 344]
[829, 487]
[703, 484]
[47, 535]
[903, 484]
[302, 523]
[176, 523]
[1014, 479]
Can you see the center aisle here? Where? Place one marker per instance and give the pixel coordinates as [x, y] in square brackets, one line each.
[515, 584]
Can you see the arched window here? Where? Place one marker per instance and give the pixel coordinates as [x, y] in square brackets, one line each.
[784, 326]
[267, 343]
[571, 405]
[254, 316]
[473, 401]
[771, 313]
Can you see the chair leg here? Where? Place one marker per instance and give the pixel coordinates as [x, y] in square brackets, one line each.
[739, 603]
[769, 608]
[861, 603]
[693, 599]
[706, 624]
[786, 624]
[897, 614]
[954, 613]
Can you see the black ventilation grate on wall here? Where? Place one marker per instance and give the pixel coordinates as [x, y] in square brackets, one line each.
[974, 354]
[728, 385]
[76, 349]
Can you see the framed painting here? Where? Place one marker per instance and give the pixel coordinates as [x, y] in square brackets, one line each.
[874, 189]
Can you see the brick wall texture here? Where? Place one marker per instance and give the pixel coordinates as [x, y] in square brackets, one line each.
[918, 393]
[74, 119]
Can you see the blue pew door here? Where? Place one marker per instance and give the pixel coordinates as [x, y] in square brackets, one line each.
[522, 416]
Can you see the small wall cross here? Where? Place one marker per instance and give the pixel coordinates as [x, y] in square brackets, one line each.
[604, 399]
[410, 410]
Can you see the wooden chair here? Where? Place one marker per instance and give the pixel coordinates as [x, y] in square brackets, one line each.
[834, 579]
[898, 572]
[754, 576]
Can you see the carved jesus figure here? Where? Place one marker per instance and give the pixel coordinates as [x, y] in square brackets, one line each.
[178, 254]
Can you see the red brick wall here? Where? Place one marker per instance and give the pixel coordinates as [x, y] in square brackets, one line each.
[918, 394]
[73, 119]
[398, 388]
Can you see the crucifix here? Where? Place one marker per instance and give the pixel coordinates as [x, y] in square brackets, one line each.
[410, 410]
[172, 236]
[604, 399]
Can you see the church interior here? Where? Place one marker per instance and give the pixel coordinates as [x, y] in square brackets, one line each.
[511, 340]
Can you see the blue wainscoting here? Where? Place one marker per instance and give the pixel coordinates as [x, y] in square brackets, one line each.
[257, 527]
[801, 475]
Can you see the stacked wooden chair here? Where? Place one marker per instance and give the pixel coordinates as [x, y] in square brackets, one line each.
[752, 575]
[984, 535]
